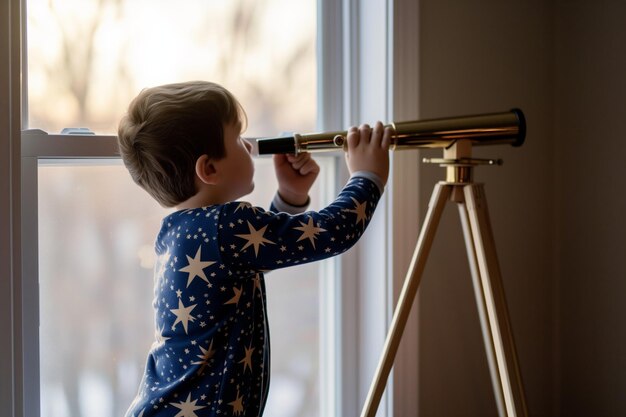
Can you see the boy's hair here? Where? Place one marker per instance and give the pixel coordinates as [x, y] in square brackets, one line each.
[167, 128]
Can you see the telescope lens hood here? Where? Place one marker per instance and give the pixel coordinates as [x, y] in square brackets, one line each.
[521, 136]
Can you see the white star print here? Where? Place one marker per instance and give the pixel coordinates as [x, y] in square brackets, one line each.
[361, 216]
[159, 335]
[243, 205]
[183, 315]
[206, 356]
[196, 266]
[309, 231]
[235, 299]
[237, 405]
[255, 237]
[247, 360]
[187, 408]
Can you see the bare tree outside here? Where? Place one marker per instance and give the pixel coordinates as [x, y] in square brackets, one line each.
[87, 60]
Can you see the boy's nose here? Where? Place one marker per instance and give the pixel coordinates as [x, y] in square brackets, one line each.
[252, 146]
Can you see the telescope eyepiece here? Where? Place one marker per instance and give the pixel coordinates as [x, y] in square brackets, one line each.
[285, 144]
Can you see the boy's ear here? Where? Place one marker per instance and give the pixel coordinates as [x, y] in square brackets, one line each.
[206, 171]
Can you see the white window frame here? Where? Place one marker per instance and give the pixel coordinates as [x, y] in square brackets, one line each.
[380, 77]
[374, 43]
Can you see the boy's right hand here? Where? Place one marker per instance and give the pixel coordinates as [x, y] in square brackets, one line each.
[368, 149]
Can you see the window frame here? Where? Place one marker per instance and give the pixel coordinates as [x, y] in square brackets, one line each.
[381, 57]
[10, 210]
[379, 51]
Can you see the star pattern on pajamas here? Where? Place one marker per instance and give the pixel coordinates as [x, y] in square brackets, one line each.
[211, 355]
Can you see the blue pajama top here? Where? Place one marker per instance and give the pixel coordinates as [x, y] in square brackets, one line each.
[211, 356]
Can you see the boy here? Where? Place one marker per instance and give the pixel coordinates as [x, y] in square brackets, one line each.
[181, 143]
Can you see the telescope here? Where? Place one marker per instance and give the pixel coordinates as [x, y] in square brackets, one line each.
[484, 129]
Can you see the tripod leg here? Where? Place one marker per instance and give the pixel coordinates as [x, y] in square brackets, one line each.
[482, 308]
[493, 312]
[437, 203]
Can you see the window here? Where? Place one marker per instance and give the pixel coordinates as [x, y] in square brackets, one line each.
[86, 61]
[355, 68]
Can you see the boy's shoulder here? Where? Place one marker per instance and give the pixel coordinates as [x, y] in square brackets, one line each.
[214, 213]
[240, 207]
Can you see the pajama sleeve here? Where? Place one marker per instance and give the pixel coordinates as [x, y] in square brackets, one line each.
[252, 239]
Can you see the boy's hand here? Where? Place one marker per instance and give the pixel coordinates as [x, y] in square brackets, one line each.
[295, 175]
[368, 149]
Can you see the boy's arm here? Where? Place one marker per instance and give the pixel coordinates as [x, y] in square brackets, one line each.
[252, 239]
[272, 240]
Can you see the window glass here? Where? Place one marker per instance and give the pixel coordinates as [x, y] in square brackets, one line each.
[86, 60]
[96, 257]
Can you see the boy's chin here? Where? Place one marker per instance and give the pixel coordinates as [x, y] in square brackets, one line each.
[245, 191]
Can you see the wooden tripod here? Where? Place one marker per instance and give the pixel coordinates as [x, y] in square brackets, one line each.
[485, 271]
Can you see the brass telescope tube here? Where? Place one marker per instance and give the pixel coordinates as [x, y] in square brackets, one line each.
[484, 129]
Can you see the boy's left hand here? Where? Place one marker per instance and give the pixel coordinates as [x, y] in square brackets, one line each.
[295, 175]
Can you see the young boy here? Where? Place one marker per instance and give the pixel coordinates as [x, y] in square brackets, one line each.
[181, 143]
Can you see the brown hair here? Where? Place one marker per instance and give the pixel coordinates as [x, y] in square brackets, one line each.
[167, 128]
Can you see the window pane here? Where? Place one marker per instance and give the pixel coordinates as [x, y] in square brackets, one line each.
[96, 234]
[88, 58]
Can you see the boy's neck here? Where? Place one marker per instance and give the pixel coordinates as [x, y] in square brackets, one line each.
[198, 200]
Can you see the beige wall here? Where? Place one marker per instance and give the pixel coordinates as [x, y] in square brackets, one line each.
[590, 98]
[557, 205]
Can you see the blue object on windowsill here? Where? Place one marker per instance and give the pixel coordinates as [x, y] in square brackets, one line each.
[76, 131]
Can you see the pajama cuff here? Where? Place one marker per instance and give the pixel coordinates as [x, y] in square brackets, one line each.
[283, 206]
[372, 177]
